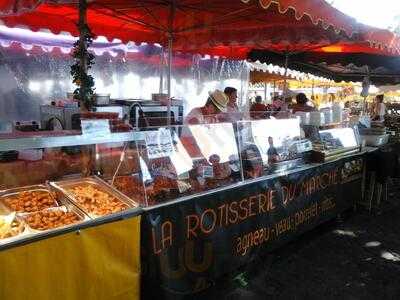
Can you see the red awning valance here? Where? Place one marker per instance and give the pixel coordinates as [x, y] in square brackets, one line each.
[228, 28]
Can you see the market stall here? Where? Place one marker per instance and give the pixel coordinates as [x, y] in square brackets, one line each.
[211, 197]
[206, 209]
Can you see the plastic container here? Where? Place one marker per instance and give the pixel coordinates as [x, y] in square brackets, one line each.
[337, 113]
[317, 118]
[375, 140]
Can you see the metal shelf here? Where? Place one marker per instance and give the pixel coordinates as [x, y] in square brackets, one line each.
[37, 142]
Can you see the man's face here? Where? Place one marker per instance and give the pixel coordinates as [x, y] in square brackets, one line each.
[211, 110]
[270, 141]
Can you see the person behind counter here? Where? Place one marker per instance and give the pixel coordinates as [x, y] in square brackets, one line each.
[258, 110]
[379, 109]
[232, 95]
[301, 104]
[216, 103]
[232, 114]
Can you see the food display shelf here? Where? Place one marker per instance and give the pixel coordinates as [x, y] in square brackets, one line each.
[38, 142]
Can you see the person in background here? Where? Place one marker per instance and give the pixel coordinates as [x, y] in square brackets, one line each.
[216, 103]
[231, 92]
[379, 109]
[258, 110]
[232, 114]
[301, 104]
[285, 110]
[273, 156]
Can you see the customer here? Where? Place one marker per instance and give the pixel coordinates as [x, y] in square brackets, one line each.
[258, 110]
[301, 104]
[379, 109]
[216, 103]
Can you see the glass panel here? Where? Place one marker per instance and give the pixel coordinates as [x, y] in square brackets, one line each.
[48, 183]
[268, 146]
[338, 138]
[186, 160]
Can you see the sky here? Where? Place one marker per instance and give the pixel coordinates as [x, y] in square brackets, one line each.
[377, 13]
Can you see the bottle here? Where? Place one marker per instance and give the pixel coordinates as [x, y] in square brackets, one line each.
[337, 112]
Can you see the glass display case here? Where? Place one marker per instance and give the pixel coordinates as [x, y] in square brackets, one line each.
[54, 183]
[58, 183]
[270, 146]
[187, 160]
[336, 142]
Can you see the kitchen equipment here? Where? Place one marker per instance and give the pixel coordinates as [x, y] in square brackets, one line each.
[101, 99]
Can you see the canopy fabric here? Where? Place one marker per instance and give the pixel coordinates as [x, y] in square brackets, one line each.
[13, 7]
[338, 66]
[217, 27]
[266, 77]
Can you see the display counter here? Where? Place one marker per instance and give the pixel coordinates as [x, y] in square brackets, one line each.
[191, 243]
[65, 233]
[199, 200]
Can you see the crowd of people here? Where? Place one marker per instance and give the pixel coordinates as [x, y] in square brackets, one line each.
[222, 106]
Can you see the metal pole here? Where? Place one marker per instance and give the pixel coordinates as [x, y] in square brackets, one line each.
[273, 95]
[265, 92]
[170, 42]
[169, 76]
[161, 88]
[285, 80]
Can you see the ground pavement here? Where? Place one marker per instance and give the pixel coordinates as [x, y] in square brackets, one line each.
[358, 258]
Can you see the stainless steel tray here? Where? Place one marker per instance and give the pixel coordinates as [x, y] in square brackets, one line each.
[65, 208]
[63, 187]
[15, 191]
[286, 165]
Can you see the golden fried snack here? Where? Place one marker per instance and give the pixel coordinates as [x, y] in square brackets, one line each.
[45, 220]
[30, 201]
[10, 227]
[96, 201]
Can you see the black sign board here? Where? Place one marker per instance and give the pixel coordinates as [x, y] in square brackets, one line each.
[187, 245]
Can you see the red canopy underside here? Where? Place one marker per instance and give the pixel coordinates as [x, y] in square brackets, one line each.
[217, 27]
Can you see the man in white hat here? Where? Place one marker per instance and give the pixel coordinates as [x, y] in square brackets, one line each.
[217, 102]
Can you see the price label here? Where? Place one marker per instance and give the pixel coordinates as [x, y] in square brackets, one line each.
[159, 143]
[208, 172]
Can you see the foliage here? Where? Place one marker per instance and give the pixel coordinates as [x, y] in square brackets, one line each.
[79, 70]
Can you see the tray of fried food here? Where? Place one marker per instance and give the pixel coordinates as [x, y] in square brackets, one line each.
[53, 218]
[28, 199]
[94, 196]
[10, 227]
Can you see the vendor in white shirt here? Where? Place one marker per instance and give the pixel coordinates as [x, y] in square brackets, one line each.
[379, 109]
[216, 104]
